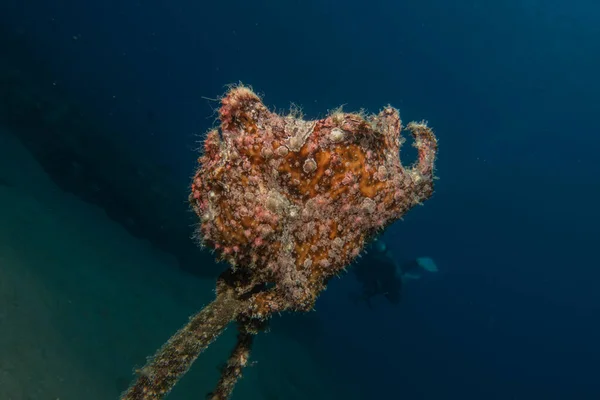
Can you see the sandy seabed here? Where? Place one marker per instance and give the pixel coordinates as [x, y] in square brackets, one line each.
[83, 303]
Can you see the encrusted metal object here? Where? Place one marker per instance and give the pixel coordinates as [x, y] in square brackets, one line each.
[289, 204]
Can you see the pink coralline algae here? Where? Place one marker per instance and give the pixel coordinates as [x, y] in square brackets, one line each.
[288, 203]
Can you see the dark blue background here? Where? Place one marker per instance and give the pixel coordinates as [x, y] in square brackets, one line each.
[511, 88]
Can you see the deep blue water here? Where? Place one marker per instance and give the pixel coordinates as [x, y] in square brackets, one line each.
[510, 87]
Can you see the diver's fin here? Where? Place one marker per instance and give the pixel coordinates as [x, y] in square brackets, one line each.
[427, 264]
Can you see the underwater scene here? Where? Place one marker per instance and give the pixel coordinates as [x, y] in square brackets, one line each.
[299, 200]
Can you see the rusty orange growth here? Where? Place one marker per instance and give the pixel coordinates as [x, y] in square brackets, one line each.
[293, 201]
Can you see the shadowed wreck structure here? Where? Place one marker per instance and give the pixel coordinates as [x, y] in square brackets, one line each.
[288, 203]
[84, 157]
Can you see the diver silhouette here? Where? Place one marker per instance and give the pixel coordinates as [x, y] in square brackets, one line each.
[380, 273]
